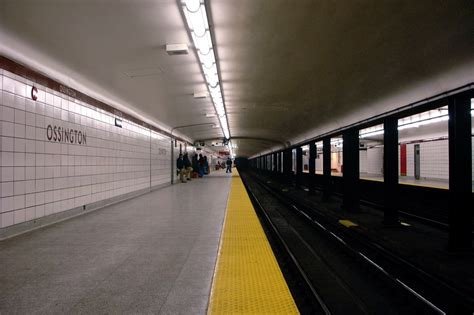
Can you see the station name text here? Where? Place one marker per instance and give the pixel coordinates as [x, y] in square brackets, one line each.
[66, 135]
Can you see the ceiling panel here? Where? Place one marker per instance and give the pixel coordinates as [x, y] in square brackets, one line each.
[293, 66]
[119, 46]
[288, 67]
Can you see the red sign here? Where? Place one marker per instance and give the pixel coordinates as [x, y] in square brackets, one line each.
[223, 153]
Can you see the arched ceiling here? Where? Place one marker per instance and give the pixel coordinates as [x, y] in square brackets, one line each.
[289, 68]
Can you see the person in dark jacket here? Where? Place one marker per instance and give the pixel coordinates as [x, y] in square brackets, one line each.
[195, 163]
[187, 166]
[201, 165]
[229, 165]
[206, 166]
[181, 169]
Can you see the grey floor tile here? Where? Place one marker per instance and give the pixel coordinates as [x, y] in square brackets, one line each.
[155, 253]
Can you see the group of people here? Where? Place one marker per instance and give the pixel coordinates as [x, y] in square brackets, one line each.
[198, 165]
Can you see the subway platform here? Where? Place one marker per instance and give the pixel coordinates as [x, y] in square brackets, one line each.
[155, 253]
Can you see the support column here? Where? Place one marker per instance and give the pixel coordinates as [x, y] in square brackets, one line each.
[390, 168]
[299, 165]
[275, 159]
[280, 162]
[460, 173]
[312, 167]
[172, 162]
[350, 175]
[327, 168]
[287, 162]
[277, 162]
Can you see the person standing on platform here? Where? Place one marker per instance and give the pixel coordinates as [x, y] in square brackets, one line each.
[187, 166]
[206, 166]
[195, 164]
[229, 165]
[181, 169]
[201, 165]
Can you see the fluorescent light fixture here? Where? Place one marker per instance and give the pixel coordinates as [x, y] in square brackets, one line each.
[192, 5]
[424, 118]
[197, 20]
[231, 149]
[211, 115]
[202, 44]
[208, 60]
[371, 131]
[371, 134]
[417, 124]
[198, 23]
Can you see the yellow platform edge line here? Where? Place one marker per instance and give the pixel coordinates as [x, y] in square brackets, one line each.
[247, 278]
[348, 223]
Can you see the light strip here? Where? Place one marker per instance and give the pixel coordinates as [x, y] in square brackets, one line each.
[424, 118]
[419, 123]
[198, 23]
[371, 131]
[231, 147]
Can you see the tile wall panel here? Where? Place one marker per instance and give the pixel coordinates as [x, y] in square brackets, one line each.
[94, 162]
[363, 161]
[375, 161]
[410, 160]
[160, 159]
[434, 160]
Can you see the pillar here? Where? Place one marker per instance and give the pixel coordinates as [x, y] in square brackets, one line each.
[312, 166]
[327, 168]
[460, 172]
[390, 167]
[350, 175]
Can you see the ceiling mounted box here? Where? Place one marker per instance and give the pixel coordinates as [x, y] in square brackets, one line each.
[200, 94]
[177, 49]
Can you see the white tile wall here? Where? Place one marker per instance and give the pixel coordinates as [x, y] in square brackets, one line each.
[362, 161]
[434, 160]
[319, 160]
[40, 177]
[375, 160]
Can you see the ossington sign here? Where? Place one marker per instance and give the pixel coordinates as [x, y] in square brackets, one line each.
[66, 135]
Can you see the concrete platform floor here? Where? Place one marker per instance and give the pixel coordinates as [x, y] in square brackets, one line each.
[152, 254]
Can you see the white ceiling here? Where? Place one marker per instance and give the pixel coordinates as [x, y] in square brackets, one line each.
[290, 69]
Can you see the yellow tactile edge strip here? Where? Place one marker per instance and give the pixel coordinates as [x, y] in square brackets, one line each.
[247, 279]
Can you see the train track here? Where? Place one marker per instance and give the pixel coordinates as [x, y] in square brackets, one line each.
[428, 221]
[321, 253]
